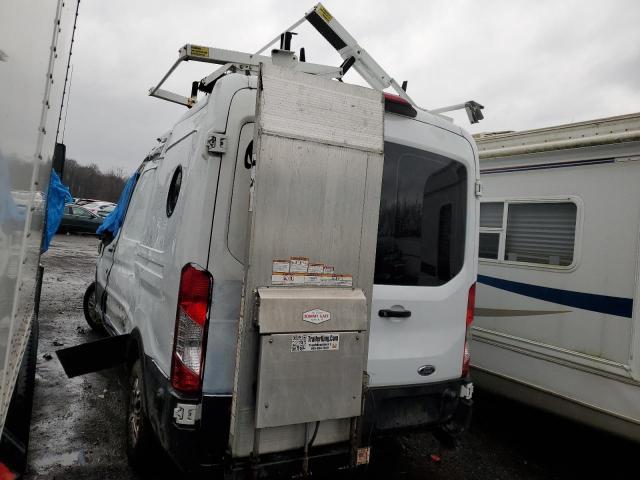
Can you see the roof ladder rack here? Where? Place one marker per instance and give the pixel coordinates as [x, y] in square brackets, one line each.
[353, 55]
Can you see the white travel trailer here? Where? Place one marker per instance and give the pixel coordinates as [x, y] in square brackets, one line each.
[262, 327]
[557, 312]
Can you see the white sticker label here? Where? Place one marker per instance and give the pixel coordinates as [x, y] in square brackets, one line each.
[293, 278]
[299, 264]
[326, 279]
[277, 278]
[316, 268]
[185, 414]
[316, 316]
[312, 279]
[328, 269]
[280, 266]
[345, 281]
[363, 456]
[315, 342]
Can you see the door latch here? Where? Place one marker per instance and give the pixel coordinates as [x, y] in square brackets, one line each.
[478, 189]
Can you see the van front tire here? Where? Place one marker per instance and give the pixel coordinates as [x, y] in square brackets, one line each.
[140, 441]
[89, 304]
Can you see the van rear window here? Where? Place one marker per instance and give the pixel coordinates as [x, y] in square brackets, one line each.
[421, 230]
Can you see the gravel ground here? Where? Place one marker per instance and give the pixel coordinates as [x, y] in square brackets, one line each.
[78, 424]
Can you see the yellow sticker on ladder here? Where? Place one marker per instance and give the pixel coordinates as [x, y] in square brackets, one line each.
[198, 51]
[324, 13]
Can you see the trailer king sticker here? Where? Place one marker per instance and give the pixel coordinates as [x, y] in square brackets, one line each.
[315, 342]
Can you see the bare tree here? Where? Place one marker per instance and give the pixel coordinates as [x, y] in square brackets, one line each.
[88, 181]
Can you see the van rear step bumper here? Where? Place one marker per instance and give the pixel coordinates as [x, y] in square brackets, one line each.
[417, 407]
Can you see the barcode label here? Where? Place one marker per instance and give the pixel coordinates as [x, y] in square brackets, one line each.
[315, 342]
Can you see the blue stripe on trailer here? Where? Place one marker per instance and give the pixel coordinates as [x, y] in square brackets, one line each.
[622, 307]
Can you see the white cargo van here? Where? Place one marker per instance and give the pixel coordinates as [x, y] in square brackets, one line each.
[191, 227]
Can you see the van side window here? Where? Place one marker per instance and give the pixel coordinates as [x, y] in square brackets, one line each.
[134, 222]
[536, 232]
[423, 206]
[174, 190]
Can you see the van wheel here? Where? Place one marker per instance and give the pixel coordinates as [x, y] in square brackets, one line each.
[140, 441]
[89, 306]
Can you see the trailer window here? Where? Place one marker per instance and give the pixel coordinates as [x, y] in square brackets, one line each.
[421, 231]
[541, 233]
[491, 214]
[489, 245]
[538, 232]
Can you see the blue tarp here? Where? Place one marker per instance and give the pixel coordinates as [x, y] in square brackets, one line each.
[57, 196]
[113, 221]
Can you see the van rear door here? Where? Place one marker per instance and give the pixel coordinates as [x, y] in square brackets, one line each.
[425, 255]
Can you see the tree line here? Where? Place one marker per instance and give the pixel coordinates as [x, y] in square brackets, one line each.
[84, 181]
[88, 181]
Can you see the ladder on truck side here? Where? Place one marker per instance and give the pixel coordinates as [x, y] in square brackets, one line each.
[352, 53]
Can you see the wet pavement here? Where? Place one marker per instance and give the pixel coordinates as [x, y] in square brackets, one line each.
[78, 424]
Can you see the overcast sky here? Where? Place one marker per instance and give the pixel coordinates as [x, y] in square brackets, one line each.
[530, 63]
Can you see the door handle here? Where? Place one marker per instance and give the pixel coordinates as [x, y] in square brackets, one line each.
[110, 249]
[399, 313]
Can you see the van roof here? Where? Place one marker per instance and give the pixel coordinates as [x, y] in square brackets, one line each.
[230, 83]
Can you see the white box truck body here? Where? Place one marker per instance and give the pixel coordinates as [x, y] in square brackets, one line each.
[35, 39]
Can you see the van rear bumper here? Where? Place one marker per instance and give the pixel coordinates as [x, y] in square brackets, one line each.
[417, 407]
[436, 406]
[191, 447]
[203, 446]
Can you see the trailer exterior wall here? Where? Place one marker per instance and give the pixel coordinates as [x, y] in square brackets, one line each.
[569, 332]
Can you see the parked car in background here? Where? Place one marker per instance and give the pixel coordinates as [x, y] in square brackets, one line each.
[77, 219]
[84, 201]
[106, 210]
[94, 207]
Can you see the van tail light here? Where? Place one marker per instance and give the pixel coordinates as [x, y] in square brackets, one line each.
[190, 337]
[471, 303]
[397, 104]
